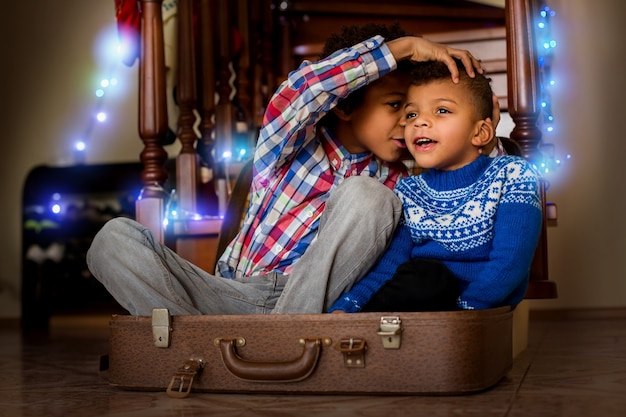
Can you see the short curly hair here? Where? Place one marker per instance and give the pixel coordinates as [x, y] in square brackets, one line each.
[351, 35]
[479, 86]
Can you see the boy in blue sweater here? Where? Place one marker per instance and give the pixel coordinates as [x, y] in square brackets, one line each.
[470, 223]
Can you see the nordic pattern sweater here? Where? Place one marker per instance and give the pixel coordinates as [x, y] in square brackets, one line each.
[482, 221]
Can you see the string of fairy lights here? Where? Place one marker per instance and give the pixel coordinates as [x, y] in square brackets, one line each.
[546, 46]
[110, 51]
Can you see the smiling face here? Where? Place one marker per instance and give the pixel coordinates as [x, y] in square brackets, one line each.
[442, 128]
[375, 124]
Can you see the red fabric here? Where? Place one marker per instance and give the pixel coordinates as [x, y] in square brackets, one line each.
[128, 16]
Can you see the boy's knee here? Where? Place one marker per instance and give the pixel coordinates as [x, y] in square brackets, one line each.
[114, 228]
[367, 193]
[111, 235]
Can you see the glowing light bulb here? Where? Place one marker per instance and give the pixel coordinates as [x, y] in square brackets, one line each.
[80, 145]
[56, 208]
[101, 117]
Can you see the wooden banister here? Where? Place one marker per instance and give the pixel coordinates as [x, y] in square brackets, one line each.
[523, 96]
[224, 108]
[152, 118]
[187, 161]
[207, 76]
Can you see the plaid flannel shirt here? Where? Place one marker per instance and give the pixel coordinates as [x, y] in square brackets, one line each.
[297, 163]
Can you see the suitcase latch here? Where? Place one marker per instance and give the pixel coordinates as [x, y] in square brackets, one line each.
[353, 351]
[161, 327]
[390, 332]
[180, 385]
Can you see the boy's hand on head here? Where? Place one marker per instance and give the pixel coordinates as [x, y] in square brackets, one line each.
[419, 49]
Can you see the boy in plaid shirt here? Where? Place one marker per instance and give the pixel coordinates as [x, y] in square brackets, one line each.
[321, 208]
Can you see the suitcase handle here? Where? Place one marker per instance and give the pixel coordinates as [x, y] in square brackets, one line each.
[289, 371]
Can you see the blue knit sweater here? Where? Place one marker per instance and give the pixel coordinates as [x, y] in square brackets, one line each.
[482, 221]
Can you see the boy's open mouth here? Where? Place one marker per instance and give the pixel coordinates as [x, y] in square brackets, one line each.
[423, 142]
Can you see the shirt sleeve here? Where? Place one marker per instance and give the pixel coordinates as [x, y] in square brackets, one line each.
[308, 94]
[398, 252]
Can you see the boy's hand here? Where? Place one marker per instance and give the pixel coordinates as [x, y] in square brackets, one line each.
[419, 49]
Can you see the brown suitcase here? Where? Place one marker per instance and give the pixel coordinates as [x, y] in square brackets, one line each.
[438, 353]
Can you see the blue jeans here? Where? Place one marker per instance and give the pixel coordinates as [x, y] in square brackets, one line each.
[142, 274]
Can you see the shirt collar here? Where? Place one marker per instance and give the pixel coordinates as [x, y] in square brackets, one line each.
[337, 153]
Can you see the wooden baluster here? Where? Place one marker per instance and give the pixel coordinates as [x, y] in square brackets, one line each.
[207, 79]
[523, 94]
[152, 118]
[223, 113]
[196, 238]
[243, 67]
[207, 202]
[262, 23]
[287, 63]
[187, 160]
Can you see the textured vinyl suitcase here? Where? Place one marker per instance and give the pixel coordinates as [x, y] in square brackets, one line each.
[427, 353]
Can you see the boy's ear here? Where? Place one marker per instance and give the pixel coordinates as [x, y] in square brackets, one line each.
[484, 133]
[341, 113]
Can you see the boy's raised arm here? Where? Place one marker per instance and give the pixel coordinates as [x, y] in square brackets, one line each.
[308, 94]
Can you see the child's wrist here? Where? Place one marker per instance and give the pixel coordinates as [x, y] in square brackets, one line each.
[400, 48]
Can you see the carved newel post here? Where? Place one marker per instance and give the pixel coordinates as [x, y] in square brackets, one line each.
[152, 118]
[523, 96]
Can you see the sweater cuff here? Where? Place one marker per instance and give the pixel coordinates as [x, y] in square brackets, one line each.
[345, 304]
[473, 305]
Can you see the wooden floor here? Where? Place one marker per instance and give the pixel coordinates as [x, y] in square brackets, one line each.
[572, 368]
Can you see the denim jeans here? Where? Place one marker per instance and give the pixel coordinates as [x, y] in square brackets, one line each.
[142, 274]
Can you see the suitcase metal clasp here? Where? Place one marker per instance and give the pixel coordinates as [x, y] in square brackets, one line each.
[390, 332]
[353, 351]
[161, 327]
[180, 385]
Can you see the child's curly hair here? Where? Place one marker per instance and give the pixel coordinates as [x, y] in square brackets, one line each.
[351, 35]
[479, 86]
